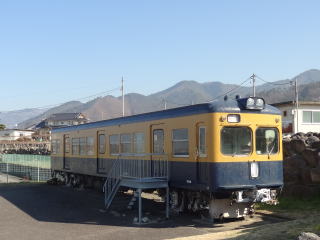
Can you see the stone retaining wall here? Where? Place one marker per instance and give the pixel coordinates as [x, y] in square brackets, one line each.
[301, 164]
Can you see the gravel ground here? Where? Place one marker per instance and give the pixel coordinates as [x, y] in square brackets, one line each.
[32, 211]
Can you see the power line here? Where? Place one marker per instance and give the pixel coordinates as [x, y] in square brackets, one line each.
[272, 83]
[79, 99]
[233, 89]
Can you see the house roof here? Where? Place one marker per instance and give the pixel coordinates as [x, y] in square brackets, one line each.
[228, 106]
[65, 116]
[41, 124]
[291, 103]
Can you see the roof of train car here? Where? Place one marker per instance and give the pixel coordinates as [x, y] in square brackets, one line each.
[226, 106]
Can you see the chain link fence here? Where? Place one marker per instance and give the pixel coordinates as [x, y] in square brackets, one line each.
[26, 166]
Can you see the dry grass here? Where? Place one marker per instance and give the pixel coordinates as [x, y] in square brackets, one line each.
[302, 215]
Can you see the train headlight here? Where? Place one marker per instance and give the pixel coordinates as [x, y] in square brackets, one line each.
[254, 103]
[250, 103]
[233, 118]
[260, 103]
[254, 169]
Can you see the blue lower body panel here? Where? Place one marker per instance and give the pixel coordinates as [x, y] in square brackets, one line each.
[217, 177]
[197, 176]
[237, 175]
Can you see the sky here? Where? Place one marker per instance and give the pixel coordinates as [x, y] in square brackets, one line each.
[56, 51]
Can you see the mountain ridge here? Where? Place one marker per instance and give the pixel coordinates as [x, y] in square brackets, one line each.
[185, 93]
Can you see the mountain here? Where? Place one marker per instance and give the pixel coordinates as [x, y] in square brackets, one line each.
[66, 107]
[186, 93]
[12, 118]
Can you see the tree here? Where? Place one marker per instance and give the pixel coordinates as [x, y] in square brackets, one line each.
[2, 126]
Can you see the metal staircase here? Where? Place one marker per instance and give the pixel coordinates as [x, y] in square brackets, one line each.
[137, 171]
[112, 184]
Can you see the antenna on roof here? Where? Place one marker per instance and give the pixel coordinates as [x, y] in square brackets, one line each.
[253, 77]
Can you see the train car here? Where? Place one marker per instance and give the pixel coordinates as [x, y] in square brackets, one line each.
[223, 156]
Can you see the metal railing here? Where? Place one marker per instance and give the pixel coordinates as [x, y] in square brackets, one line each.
[135, 166]
[148, 165]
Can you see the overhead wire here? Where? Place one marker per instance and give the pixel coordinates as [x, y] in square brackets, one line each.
[230, 91]
[83, 98]
[272, 83]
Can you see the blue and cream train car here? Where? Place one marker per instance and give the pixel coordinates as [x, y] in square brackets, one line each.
[223, 156]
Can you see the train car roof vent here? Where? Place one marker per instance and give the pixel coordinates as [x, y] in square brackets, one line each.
[225, 97]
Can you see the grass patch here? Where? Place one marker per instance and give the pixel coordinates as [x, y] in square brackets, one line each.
[293, 204]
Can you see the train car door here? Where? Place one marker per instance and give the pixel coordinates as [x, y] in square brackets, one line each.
[101, 150]
[66, 151]
[202, 154]
[157, 147]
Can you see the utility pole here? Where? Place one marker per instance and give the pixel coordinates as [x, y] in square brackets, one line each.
[122, 92]
[253, 78]
[297, 103]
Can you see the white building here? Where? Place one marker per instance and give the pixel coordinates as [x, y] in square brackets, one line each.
[14, 134]
[305, 119]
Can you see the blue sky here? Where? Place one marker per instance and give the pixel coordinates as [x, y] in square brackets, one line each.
[55, 51]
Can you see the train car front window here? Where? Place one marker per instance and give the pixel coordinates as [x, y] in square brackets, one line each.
[236, 141]
[267, 141]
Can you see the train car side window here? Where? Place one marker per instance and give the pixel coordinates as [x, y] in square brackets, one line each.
[202, 142]
[180, 142]
[114, 144]
[267, 140]
[158, 141]
[67, 145]
[125, 143]
[82, 146]
[55, 146]
[75, 146]
[102, 143]
[236, 141]
[89, 145]
[138, 142]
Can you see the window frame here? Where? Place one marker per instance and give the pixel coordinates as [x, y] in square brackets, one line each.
[312, 117]
[55, 146]
[255, 143]
[205, 154]
[153, 142]
[238, 155]
[67, 144]
[134, 142]
[91, 148]
[99, 145]
[83, 146]
[180, 140]
[118, 144]
[126, 142]
[77, 145]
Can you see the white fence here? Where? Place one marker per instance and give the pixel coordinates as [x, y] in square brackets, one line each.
[28, 167]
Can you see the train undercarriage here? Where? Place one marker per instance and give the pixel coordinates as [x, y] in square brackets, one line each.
[231, 204]
[235, 204]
